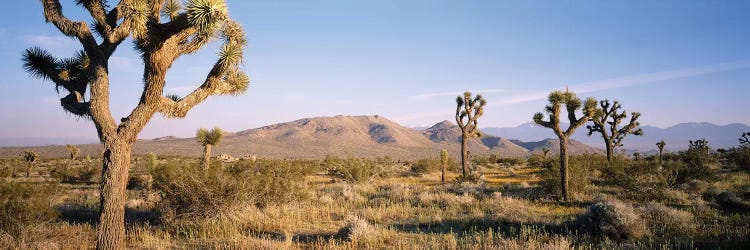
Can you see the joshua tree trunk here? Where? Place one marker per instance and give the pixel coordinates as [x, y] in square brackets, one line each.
[660, 153]
[464, 157]
[28, 170]
[206, 156]
[442, 176]
[111, 230]
[564, 167]
[610, 150]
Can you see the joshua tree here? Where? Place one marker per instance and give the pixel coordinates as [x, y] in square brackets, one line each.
[73, 153]
[30, 157]
[207, 139]
[637, 156]
[745, 139]
[607, 118]
[545, 151]
[661, 145]
[443, 163]
[572, 104]
[468, 110]
[162, 31]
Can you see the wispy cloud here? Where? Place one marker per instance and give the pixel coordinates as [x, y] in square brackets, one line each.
[50, 42]
[629, 81]
[439, 94]
[601, 85]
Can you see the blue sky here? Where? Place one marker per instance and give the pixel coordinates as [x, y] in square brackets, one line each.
[673, 61]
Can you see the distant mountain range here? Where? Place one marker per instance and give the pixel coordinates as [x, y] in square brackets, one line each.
[676, 136]
[376, 136]
[342, 136]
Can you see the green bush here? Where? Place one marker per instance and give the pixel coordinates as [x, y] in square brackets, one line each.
[189, 192]
[23, 205]
[580, 171]
[740, 157]
[430, 165]
[357, 170]
[83, 174]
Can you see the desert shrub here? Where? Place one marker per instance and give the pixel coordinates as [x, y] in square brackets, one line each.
[468, 178]
[189, 192]
[72, 175]
[538, 161]
[151, 161]
[580, 170]
[140, 182]
[357, 170]
[24, 205]
[430, 165]
[511, 161]
[740, 157]
[612, 218]
[6, 171]
[357, 229]
[663, 220]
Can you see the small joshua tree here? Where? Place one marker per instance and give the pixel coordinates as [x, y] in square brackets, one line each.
[637, 156]
[30, 158]
[468, 110]
[545, 151]
[745, 139]
[443, 163]
[572, 104]
[661, 145]
[606, 120]
[162, 31]
[207, 139]
[73, 153]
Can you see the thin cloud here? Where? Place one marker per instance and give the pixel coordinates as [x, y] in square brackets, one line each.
[50, 42]
[439, 94]
[594, 86]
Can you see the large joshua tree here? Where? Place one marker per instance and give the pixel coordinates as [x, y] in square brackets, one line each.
[468, 110]
[606, 120]
[553, 109]
[162, 31]
[207, 139]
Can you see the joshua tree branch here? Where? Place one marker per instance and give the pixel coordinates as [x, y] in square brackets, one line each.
[80, 30]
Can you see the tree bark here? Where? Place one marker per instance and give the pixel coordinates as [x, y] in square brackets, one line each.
[610, 150]
[463, 155]
[660, 159]
[206, 157]
[442, 176]
[111, 229]
[564, 168]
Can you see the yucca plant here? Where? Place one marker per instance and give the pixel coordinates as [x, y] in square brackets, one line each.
[468, 110]
[443, 164]
[30, 157]
[606, 120]
[572, 104]
[162, 31]
[208, 138]
[661, 145]
[73, 153]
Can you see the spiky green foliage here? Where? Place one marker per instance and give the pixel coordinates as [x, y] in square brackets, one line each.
[606, 120]
[209, 137]
[572, 104]
[468, 111]
[171, 9]
[206, 14]
[136, 14]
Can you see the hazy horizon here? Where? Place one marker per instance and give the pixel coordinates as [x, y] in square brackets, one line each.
[675, 62]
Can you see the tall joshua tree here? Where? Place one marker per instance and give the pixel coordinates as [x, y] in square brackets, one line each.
[162, 31]
[30, 158]
[572, 104]
[468, 110]
[606, 120]
[207, 139]
[661, 145]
